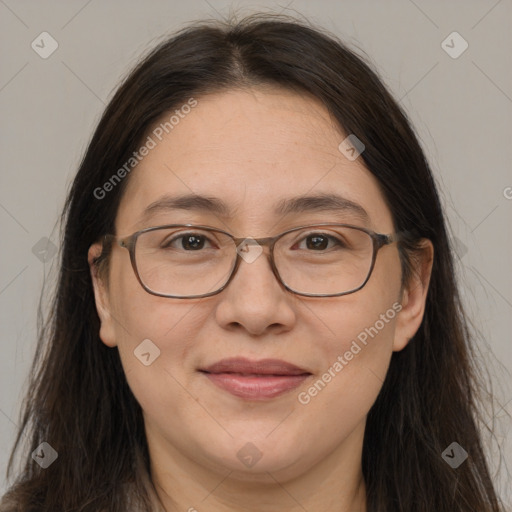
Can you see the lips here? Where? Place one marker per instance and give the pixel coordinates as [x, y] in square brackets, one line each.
[255, 380]
[262, 367]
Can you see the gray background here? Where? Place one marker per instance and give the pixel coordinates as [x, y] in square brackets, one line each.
[461, 108]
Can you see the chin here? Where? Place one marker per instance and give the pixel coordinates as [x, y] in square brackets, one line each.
[250, 461]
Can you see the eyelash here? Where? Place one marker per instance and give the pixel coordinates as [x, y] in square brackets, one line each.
[198, 235]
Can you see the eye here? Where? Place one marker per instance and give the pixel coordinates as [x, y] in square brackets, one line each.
[189, 242]
[320, 241]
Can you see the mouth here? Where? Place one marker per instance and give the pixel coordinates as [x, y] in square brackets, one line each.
[255, 380]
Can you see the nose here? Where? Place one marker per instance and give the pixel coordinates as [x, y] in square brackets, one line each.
[254, 299]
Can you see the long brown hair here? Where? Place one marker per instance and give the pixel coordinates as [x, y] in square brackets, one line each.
[79, 400]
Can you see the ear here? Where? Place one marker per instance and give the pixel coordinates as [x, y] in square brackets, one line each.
[101, 296]
[414, 296]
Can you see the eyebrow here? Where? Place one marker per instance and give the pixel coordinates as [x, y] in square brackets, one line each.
[321, 202]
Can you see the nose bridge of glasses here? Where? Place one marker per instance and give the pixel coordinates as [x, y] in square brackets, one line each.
[266, 241]
[263, 247]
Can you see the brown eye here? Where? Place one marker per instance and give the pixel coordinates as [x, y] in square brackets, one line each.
[320, 242]
[187, 242]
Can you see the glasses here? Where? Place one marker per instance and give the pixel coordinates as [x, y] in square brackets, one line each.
[186, 261]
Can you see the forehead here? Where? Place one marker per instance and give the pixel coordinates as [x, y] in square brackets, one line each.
[254, 150]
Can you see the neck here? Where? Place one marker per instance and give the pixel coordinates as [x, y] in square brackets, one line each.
[334, 484]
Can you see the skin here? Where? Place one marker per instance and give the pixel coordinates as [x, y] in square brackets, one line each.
[251, 148]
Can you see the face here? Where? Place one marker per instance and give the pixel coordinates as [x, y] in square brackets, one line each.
[252, 149]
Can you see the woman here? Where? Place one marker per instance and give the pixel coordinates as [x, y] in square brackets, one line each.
[257, 307]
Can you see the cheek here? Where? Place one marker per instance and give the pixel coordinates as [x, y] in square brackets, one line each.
[139, 315]
[357, 347]
[336, 402]
[154, 335]
[168, 331]
[361, 340]
[161, 382]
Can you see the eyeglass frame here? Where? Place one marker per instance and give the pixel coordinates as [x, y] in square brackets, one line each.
[379, 240]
